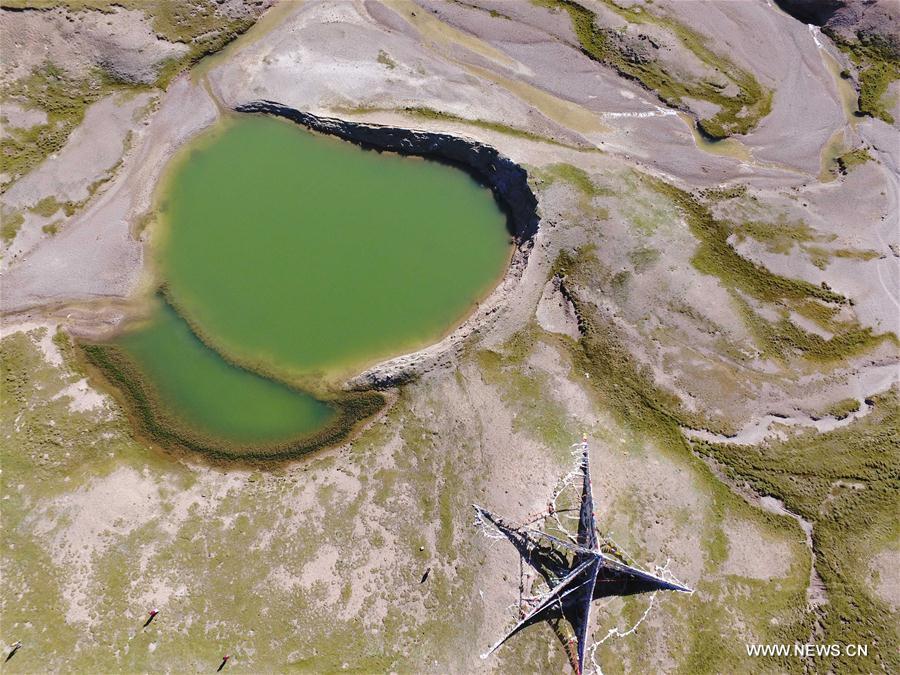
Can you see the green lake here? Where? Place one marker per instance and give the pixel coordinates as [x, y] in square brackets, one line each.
[304, 254]
[305, 258]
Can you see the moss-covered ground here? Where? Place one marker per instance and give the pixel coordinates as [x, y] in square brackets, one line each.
[317, 566]
[199, 24]
[738, 113]
[878, 66]
[846, 483]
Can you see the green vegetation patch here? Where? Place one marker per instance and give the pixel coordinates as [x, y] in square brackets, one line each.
[52, 228]
[203, 25]
[724, 193]
[782, 338]
[843, 409]
[846, 483]
[200, 24]
[10, 225]
[64, 98]
[878, 67]
[850, 160]
[432, 114]
[737, 114]
[643, 258]
[579, 179]
[779, 237]
[526, 391]
[46, 207]
[385, 59]
[717, 257]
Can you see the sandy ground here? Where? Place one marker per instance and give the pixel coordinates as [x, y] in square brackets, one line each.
[92, 154]
[96, 254]
[79, 41]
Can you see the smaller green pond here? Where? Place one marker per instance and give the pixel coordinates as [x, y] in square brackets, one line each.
[209, 395]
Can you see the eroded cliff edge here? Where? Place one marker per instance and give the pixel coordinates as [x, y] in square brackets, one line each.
[506, 179]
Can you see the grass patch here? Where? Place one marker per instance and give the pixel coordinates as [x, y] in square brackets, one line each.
[843, 409]
[724, 193]
[52, 228]
[493, 13]
[385, 60]
[850, 160]
[780, 237]
[717, 257]
[846, 482]
[64, 98]
[580, 179]
[432, 114]
[10, 226]
[643, 258]
[737, 114]
[46, 207]
[199, 24]
[537, 414]
[782, 339]
[577, 176]
[878, 68]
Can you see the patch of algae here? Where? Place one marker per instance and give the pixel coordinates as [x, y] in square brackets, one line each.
[737, 114]
[845, 482]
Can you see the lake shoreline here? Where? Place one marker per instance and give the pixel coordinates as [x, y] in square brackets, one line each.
[359, 399]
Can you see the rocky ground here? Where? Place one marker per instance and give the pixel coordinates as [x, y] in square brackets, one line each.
[720, 319]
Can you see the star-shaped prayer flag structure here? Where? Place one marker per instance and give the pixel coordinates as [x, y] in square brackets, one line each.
[576, 571]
